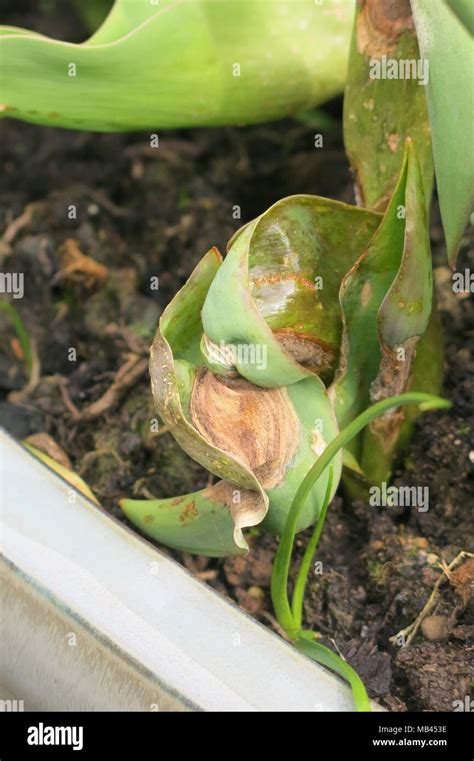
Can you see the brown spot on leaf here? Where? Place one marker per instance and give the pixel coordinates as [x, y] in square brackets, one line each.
[258, 426]
[379, 25]
[392, 379]
[316, 355]
[188, 513]
[294, 277]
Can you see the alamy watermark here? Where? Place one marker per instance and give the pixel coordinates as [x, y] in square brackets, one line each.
[466, 705]
[12, 283]
[400, 68]
[12, 706]
[41, 734]
[400, 496]
[232, 355]
[463, 282]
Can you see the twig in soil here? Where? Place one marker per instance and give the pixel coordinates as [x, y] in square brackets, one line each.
[101, 199]
[159, 432]
[16, 397]
[89, 458]
[25, 218]
[68, 403]
[209, 575]
[79, 268]
[274, 624]
[406, 636]
[126, 377]
[135, 344]
[147, 493]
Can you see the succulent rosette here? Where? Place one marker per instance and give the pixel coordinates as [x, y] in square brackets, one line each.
[316, 311]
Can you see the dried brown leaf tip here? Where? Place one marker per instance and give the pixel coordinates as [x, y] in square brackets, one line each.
[257, 426]
[380, 24]
[463, 580]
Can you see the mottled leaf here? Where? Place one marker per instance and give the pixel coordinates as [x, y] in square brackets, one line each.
[381, 111]
[276, 292]
[200, 522]
[386, 301]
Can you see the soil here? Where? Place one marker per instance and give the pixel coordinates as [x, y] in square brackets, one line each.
[142, 212]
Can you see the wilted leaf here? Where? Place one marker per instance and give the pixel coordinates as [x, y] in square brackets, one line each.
[76, 481]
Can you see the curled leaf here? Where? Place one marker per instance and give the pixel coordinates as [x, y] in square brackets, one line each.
[208, 521]
[259, 440]
[273, 304]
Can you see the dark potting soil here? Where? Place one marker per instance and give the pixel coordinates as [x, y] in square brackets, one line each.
[140, 212]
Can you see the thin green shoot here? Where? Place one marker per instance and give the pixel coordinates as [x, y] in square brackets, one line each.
[281, 567]
[290, 617]
[22, 334]
[307, 561]
[326, 657]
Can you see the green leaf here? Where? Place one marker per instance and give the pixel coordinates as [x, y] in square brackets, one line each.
[175, 64]
[386, 299]
[319, 427]
[21, 331]
[447, 45]
[200, 522]
[281, 565]
[330, 659]
[380, 113]
[464, 10]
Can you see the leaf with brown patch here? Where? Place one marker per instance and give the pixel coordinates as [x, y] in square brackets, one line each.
[278, 285]
[386, 300]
